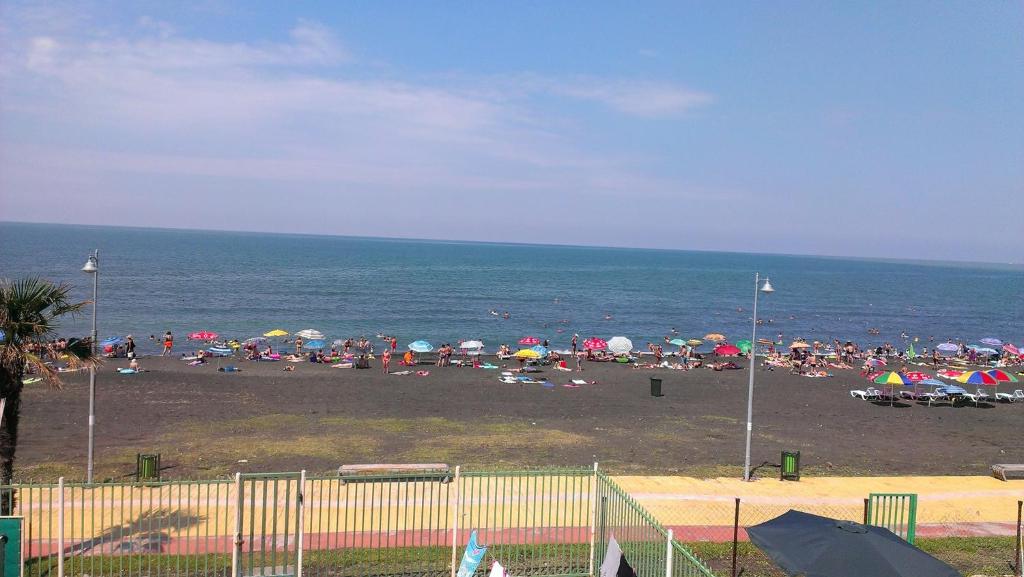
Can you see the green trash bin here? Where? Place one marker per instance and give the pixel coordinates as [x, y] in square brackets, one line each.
[147, 467]
[790, 466]
[656, 387]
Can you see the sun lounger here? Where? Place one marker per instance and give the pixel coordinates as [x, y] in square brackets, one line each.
[871, 394]
[1013, 397]
[933, 397]
[976, 398]
[579, 382]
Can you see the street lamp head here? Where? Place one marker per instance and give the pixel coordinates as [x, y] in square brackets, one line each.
[767, 288]
[90, 266]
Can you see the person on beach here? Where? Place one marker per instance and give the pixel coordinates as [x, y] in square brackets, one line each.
[579, 362]
[298, 345]
[575, 338]
[385, 361]
[134, 364]
[394, 344]
[129, 347]
[168, 342]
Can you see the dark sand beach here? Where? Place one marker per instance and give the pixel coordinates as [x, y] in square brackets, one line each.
[207, 423]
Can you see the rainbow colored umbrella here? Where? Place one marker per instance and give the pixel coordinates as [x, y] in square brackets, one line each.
[1001, 376]
[977, 378]
[529, 341]
[893, 379]
[595, 344]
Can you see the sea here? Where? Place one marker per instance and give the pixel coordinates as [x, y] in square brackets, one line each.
[242, 284]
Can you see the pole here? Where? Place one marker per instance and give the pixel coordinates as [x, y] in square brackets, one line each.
[92, 369]
[735, 536]
[1020, 545]
[593, 519]
[668, 554]
[302, 522]
[750, 386]
[60, 527]
[455, 519]
[236, 546]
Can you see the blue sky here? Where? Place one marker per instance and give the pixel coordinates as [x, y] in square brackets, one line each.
[848, 128]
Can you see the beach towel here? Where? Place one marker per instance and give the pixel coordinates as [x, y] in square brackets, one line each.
[401, 373]
[571, 386]
[127, 371]
[508, 380]
[229, 369]
[489, 366]
[547, 384]
[30, 380]
[579, 382]
[342, 366]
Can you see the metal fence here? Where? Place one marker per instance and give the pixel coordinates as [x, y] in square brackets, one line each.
[542, 523]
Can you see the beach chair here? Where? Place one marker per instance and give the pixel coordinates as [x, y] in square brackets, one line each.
[871, 394]
[983, 396]
[1013, 397]
[933, 397]
[976, 398]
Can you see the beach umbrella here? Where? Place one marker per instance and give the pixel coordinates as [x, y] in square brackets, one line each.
[932, 383]
[315, 344]
[875, 362]
[716, 337]
[949, 373]
[529, 341]
[947, 348]
[765, 342]
[992, 342]
[255, 340]
[805, 544]
[595, 344]
[276, 333]
[1011, 349]
[893, 379]
[955, 390]
[1002, 376]
[745, 346]
[983, 350]
[727, 350]
[917, 376]
[620, 345]
[678, 342]
[527, 354]
[977, 378]
[695, 342]
[310, 334]
[799, 345]
[420, 347]
[203, 335]
[111, 341]
[542, 351]
[471, 345]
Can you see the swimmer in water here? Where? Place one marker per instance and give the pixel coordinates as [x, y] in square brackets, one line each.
[494, 312]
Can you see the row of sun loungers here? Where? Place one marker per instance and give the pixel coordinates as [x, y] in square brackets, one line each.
[939, 394]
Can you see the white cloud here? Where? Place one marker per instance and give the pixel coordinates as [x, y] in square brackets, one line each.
[640, 98]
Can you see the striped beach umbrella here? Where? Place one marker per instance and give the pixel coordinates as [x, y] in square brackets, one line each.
[977, 378]
[893, 379]
[1001, 376]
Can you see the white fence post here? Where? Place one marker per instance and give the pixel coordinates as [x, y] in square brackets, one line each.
[60, 527]
[302, 522]
[593, 520]
[668, 554]
[455, 518]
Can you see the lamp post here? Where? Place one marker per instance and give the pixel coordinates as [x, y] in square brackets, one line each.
[92, 266]
[767, 289]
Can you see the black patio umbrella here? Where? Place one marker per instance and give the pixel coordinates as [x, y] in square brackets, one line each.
[812, 546]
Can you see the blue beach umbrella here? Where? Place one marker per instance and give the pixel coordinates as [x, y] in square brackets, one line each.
[947, 348]
[420, 347]
[541, 350]
[314, 345]
[111, 341]
[992, 342]
[677, 342]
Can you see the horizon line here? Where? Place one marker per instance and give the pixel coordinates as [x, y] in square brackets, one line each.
[923, 261]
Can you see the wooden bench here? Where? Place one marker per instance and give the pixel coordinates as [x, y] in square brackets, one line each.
[1006, 472]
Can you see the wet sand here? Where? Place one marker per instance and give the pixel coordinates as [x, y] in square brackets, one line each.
[207, 423]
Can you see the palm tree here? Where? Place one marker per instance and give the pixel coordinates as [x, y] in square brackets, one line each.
[30, 310]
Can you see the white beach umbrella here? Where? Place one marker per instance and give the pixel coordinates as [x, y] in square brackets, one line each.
[310, 334]
[620, 345]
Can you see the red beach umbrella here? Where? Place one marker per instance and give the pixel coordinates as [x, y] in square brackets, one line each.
[203, 335]
[595, 344]
[529, 341]
[1011, 349]
[916, 376]
[727, 350]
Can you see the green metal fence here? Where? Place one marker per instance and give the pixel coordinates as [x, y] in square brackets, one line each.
[539, 523]
[896, 512]
[647, 545]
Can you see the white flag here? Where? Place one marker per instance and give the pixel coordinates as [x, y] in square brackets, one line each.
[615, 564]
[497, 570]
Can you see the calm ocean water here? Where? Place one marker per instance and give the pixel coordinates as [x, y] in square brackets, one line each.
[243, 284]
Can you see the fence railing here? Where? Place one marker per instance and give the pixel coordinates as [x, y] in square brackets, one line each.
[542, 523]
